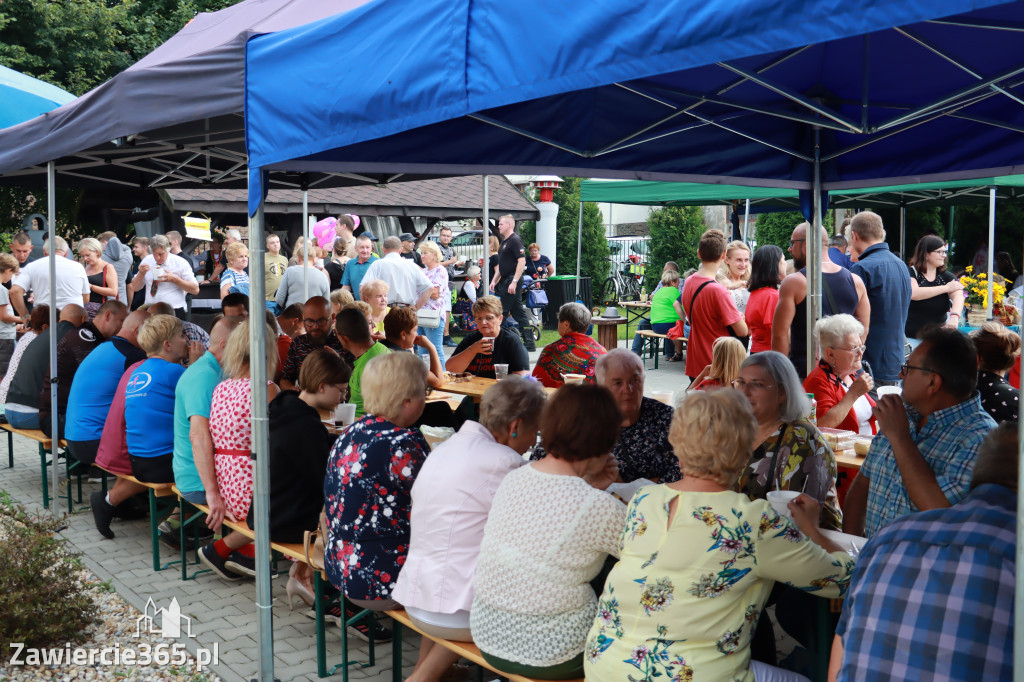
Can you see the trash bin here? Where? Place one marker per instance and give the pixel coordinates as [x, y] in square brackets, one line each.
[562, 289]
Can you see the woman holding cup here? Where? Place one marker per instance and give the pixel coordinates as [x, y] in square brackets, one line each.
[479, 352]
[839, 384]
[789, 452]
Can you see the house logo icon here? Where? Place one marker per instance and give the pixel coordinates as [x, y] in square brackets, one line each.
[170, 621]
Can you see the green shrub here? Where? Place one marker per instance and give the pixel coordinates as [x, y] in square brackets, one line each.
[42, 598]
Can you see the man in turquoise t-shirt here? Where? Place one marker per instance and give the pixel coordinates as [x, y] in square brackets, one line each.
[356, 268]
[194, 474]
[354, 333]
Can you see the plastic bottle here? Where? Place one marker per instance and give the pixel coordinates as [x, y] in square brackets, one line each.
[643, 294]
[813, 415]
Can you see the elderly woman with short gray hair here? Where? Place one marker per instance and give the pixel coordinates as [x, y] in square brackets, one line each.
[789, 452]
[451, 499]
[839, 384]
[573, 353]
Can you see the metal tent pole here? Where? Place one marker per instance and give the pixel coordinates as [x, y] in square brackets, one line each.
[579, 250]
[991, 244]
[814, 259]
[306, 240]
[1018, 613]
[485, 270]
[51, 231]
[260, 445]
[746, 223]
[903, 229]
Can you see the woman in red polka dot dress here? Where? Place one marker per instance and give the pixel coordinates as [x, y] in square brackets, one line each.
[230, 428]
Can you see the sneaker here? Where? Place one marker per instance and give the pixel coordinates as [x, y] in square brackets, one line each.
[239, 563]
[449, 342]
[102, 513]
[361, 630]
[208, 555]
[165, 527]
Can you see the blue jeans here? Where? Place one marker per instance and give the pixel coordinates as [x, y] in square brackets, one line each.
[197, 497]
[22, 420]
[436, 337]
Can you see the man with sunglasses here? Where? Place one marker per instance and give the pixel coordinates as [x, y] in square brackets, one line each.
[928, 443]
[318, 321]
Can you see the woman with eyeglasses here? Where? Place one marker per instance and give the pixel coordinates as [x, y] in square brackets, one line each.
[936, 296]
[839, 384]
[789, 452]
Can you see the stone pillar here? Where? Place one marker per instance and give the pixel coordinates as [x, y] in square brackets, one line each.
[547, 230]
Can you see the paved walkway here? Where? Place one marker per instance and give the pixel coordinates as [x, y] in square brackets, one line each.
[222, 612]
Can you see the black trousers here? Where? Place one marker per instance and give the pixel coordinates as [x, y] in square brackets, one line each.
[513, 303]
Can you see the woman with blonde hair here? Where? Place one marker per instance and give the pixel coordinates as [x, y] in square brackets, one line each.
[735, 273]
[698, 560]
[101, 274]
[492, 248]
[370, 474]
[375, 293]
[231, 431]
[727, 354]
[998, 349]
[236, 255]
[339, 299]
[440, 299]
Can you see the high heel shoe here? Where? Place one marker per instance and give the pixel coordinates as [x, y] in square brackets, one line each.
[295, 588]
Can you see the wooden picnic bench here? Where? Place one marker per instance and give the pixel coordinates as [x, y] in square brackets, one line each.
[161, 498]
[466, 650]
[652, 344]
[45, 447]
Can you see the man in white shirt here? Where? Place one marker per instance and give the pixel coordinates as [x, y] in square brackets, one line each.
[72, 282]
[166, 278]
[408, 285]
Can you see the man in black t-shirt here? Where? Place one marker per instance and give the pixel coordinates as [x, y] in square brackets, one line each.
[511, 263]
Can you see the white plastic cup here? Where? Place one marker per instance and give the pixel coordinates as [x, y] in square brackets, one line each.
[574, 378]
[663, 396]
[888, 390]
[345, 414]
[780, 499]
[500, 371]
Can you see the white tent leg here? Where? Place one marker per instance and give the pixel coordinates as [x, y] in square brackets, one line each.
[814, 250]
[306, 240]
[51, 231]
[746, 223]
[991, 245]
[260, 445]
[485, 270]
[903, 229]
[579, 251]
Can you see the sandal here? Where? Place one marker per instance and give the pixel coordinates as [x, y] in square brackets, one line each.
[676, 358]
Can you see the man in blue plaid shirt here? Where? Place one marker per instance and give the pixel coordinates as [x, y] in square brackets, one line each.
[925, 451]
[932, 594]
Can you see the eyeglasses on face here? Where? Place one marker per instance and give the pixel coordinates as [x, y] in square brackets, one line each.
[795, 241]
[740, 384]
[321, 322]
[942, 251]
[906, 367]
[856, 350]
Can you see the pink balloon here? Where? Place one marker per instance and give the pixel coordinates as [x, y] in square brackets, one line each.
[325, 232]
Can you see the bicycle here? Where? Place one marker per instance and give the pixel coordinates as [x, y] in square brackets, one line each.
[623, 284]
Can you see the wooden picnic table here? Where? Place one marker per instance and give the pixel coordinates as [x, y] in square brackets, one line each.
[474, 387]
[850, 461]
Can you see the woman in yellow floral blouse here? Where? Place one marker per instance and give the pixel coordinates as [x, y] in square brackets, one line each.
[697, 561]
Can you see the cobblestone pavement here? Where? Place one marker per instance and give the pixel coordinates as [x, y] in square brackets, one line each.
[222, 612]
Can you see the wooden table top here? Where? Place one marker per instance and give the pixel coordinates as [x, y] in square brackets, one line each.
[598, 320]
[851, 461]
[475, 387]
[634, 304]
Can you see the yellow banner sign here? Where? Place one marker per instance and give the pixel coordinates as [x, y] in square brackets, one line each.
[197, 228]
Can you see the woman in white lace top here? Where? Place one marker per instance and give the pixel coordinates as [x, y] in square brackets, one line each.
[549, 531]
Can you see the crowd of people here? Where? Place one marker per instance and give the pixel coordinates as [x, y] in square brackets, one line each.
[572, 525]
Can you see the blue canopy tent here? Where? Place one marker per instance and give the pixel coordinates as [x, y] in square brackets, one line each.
[802, 94]
[23, 97]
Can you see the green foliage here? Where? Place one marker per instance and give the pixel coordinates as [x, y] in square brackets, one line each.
[776, 228]
[675, 231]
[43, 600]
[920, 221]
[970, 231]
[594, 263]
[78, 44]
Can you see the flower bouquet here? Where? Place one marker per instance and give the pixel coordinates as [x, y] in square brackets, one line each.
[976, 297]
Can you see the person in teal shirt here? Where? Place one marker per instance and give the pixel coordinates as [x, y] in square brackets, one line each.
[354, 333]
[193, 446]
[356, 267]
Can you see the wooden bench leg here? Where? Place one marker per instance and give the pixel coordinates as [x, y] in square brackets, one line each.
[321, 630]
[186, 523]
[345, 622]
[10, 450]
[154, 532]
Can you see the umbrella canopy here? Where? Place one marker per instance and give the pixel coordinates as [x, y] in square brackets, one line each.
[23, 97]
[724, 91]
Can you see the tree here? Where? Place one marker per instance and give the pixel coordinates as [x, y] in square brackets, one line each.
[594, 263]
[675, 231]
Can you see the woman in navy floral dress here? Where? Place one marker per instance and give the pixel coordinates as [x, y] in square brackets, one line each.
[369, 479]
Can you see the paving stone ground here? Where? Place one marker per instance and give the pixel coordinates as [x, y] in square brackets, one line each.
[222, 612]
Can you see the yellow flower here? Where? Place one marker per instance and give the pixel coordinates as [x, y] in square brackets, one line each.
[969, 268]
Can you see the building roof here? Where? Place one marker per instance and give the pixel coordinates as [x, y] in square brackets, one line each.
[443, 198]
